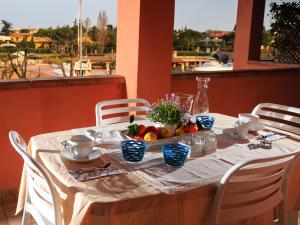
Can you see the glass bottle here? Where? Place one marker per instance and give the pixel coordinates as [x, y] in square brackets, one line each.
[201, 106]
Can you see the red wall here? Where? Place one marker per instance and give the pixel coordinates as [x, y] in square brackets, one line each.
[42, 106]
[235, 92]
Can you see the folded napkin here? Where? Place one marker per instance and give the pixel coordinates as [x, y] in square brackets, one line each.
[85, 174]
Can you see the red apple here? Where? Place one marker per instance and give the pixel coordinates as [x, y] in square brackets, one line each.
[153, 129]
[141, 130]
[191, 128]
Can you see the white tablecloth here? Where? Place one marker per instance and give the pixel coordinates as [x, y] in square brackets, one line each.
[139, 196]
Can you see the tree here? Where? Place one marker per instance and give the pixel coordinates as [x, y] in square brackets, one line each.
[229, 41]
[221, 57]
[266, 38]
[24, 31]
[6, 27]
[187, 39]
[111, 37]
[285, 27]
[19, 64]
[6, 71]
[86, 24]
[229, 38]
[102, 30]
[65, 42]
[93, 33]
[26, 45]
[47, 32]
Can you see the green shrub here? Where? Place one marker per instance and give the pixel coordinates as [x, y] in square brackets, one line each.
[99, 63]
[192, 53]
[42, 51]
[187, 53]
[8, 49]
[34, 57]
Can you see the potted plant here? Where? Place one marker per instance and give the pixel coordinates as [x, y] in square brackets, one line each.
[169, 114]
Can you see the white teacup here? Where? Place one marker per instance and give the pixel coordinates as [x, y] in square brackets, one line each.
[247, 118]
[81, 146]
[94, 135]
[241, 129]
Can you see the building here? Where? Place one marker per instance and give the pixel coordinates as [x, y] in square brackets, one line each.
[29, 35]
[5, 38]
[217, 33]
[42, 42]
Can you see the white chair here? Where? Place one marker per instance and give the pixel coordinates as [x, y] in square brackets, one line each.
[252, 188]
[41, 197]
[279, 116]
[118, 111]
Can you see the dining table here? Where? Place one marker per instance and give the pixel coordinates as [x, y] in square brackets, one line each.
[150, 192]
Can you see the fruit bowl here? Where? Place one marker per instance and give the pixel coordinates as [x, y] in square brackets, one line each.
[156, 135]
[158, 142]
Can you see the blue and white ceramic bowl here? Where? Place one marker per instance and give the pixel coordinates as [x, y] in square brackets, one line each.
[133, 150]
[205, 122]
[175, 154]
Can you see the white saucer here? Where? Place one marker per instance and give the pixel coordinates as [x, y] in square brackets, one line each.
[236, 136]
[67, 154]
[257, 127]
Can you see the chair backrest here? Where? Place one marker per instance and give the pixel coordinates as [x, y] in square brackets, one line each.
[251, 188]
[279, 116]
[41, 197]
[117, 111]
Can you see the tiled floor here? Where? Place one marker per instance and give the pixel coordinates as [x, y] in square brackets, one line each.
[8, 203]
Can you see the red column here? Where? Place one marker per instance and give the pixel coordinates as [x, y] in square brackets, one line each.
[144, 46]
[249, 26]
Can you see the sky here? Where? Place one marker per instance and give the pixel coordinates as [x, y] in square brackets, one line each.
[196, 14]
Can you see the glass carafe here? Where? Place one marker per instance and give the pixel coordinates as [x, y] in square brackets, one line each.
[201, 106]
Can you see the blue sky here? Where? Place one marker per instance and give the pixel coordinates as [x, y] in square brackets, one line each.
[196, 14]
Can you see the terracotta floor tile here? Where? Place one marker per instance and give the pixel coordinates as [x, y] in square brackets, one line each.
[10, 213]
[9, 197]
[15, 220]
[2, 214]
[12, 205]
[3, 222]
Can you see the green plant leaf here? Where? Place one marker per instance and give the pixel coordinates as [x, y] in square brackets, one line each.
[131, 118]
[133, 130]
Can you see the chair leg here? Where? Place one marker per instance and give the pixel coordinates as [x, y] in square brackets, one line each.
[26, 217]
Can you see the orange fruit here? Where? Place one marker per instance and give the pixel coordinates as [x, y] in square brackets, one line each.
[153, 129]
[179, 131]
[150, 136]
